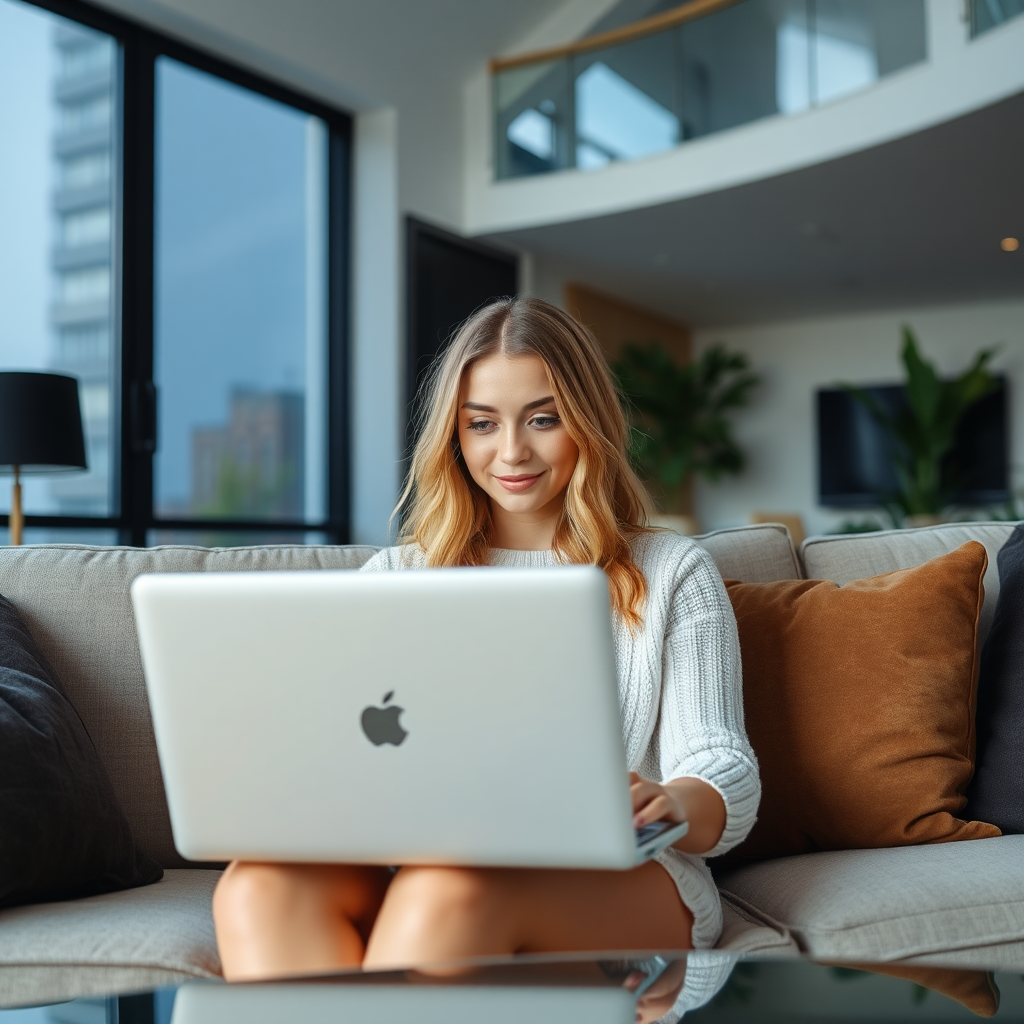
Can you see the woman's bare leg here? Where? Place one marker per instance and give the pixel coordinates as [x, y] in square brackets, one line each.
[279, 919]
[431, 915]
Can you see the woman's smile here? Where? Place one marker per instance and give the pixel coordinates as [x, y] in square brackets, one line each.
[522, 482]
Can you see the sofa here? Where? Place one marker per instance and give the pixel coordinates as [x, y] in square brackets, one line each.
[957, 904]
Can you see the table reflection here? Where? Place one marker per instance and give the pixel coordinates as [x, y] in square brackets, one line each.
[704, 987]
[538, 991]
[617, 988]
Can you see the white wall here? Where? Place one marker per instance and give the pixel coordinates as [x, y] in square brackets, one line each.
[778, 429]
[544, 278]
[377, 370]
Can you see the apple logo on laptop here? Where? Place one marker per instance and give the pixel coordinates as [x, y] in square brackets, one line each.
[381, 725]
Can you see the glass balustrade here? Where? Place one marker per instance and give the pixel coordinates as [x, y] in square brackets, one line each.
[989, 14]
[740, 63]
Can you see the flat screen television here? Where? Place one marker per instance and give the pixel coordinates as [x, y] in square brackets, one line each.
[854, 463]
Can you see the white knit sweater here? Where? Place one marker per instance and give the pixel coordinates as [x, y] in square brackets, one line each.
[680, 694]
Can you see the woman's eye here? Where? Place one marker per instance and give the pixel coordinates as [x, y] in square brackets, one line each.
[546, 422]
[481, 426]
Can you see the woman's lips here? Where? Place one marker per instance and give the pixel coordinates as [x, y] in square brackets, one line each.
[518, 483]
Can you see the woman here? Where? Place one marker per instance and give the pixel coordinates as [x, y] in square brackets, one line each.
[521, 462]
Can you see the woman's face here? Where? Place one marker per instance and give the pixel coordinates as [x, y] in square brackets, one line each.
[513, 441]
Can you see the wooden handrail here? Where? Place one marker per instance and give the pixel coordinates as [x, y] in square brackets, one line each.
[616, 36]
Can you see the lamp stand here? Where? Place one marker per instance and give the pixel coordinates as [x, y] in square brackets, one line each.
[16, 519]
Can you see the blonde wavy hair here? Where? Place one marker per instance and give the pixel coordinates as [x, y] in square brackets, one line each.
[449, 516]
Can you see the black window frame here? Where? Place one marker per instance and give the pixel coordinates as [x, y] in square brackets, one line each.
[135, 421]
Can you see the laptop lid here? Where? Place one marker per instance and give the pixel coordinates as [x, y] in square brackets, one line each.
[441, 716]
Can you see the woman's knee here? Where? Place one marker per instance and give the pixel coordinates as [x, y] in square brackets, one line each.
[441, 905]
[446, 890]
[248, 892]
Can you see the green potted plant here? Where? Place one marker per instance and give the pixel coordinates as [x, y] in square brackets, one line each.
[922, 434]
[680, 419]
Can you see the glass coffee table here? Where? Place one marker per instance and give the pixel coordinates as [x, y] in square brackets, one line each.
[591, 989]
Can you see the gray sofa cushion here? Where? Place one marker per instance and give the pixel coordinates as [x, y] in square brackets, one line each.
[857, 556]
[748, 933]
[753, 554]
[895, 903]
[75, 601]
[126, 941]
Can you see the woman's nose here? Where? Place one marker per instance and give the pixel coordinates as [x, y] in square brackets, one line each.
[514, 449]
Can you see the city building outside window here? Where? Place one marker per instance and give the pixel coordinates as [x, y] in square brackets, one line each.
[175, 238]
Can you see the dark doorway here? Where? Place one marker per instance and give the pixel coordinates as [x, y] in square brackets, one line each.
[448, 277]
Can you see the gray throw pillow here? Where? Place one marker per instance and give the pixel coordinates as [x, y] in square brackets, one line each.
[62, 832]
[996, 793]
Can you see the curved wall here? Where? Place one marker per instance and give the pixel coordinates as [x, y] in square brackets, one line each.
[960, 75]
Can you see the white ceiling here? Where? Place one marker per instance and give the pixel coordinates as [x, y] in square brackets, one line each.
[362, 53]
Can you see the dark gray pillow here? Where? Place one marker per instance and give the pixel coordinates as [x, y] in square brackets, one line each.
[997, 792]
[62, 832]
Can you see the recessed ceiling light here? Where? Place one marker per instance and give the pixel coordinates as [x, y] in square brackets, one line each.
[1010, 244]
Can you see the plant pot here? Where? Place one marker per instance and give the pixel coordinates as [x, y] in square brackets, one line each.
[686, 526]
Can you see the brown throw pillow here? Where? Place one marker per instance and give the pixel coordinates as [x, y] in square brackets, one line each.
[859, 702]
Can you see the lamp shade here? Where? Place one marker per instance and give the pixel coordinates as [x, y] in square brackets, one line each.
[40, 423]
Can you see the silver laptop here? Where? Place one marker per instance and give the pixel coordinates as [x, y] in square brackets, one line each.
[457, 716]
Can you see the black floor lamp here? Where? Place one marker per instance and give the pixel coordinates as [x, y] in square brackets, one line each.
[40, 430]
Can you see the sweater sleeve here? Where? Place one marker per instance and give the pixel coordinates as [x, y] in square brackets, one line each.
[700, 729]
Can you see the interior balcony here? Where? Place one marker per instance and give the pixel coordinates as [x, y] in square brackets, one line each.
[717, 94]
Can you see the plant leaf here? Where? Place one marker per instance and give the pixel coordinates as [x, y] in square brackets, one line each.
[924, 389]
[923, 433]
[679, 414]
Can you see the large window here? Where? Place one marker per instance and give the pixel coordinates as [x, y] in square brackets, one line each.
[241, 270]
[175, 238]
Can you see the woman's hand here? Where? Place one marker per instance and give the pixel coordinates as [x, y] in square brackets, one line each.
[679, 800]
[654, 802]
